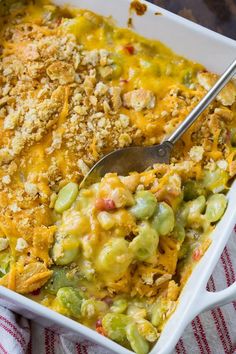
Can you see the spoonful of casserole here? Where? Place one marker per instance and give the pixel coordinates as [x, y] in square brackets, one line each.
[139, 158]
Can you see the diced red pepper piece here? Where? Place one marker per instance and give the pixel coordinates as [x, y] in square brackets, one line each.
[105, 204]
[129, 48]
[197, 254]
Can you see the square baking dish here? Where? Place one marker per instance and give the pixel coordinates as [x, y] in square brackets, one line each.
[215, 52]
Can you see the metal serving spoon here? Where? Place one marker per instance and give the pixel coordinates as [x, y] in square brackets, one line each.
[139, 158]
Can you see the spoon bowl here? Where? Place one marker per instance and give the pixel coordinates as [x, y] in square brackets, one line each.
[123, 161]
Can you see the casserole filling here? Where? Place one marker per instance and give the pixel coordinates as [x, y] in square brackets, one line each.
[116, 255]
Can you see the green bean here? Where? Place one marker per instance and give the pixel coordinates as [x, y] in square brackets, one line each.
[71, 299]
[115, 325]
[163, 220]
[145, 205]
[216, 205]
[119, 306]
[66, 197]
[144, 245]
[137, 342]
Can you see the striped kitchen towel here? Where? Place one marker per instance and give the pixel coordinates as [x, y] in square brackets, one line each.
[213, 332]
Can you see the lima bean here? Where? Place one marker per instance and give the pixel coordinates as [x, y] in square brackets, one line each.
[137, 342]
[215, 181]
[192, 190]
[74, 223]
[179, 232]
[144, 245]
[5, 259]
[117, 66]
[91, 308]
[66, 197]
[233, 136]
[158, 309]
[182, 214]
[106, 220]
[196, 208]
[119, 306]
[115, 325]
[114, 259]
[163, 220]
[136, 312]
[187, 77]
[145, 205]
[147, 330]
[65, 250]
[117, 71]
[60, 278]
[184, 250]
[216, 205]
[71, 299]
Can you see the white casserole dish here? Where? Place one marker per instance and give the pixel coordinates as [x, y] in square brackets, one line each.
[215, 52]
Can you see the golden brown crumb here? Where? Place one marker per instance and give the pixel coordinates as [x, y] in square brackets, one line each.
[138, 7]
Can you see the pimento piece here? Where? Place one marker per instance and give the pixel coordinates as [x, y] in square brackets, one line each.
[108, 300]
[99, 328]
[35, 292]
[101, 331]
[103, 204]
[129, 48]
[99, 323]
[197, 254]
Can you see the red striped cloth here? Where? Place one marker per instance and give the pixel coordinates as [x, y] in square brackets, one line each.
[213, 332]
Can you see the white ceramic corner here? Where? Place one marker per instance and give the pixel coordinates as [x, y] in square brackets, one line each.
[215, 52]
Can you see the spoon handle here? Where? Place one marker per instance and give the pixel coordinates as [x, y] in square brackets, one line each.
[202, 105]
